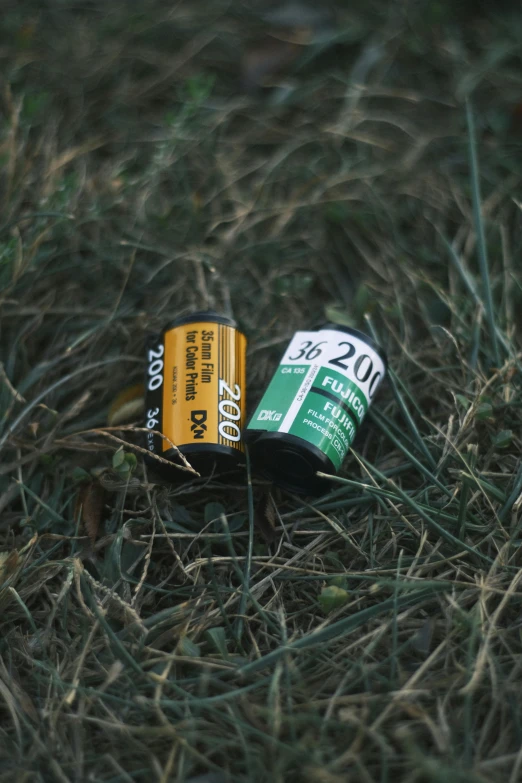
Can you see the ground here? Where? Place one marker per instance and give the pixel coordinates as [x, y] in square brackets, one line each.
[155, 160]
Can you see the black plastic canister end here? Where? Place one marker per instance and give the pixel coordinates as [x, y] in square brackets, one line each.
[290, 462]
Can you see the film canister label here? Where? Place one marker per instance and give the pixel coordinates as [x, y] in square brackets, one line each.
[321, 390]
[195, 385]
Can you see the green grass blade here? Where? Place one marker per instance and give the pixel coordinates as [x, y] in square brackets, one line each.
[250, 546]
[481, 237]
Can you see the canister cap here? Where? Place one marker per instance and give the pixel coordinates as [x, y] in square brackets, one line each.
[291, 462]
[205, 316]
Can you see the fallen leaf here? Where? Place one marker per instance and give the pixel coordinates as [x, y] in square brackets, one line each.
[265, 518]
[129, 404]
[33, 427]
[25, 34]
[8, 564]
[332, 598]
[502, 439]
[89, 506]
[262, 62]
[118, 458]
[484, 411]
[11, 679]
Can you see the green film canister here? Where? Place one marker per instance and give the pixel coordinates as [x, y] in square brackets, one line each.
[314, 405]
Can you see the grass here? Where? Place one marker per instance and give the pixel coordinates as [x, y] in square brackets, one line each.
[376, 181]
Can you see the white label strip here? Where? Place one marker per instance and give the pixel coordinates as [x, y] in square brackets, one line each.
[299, 397]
